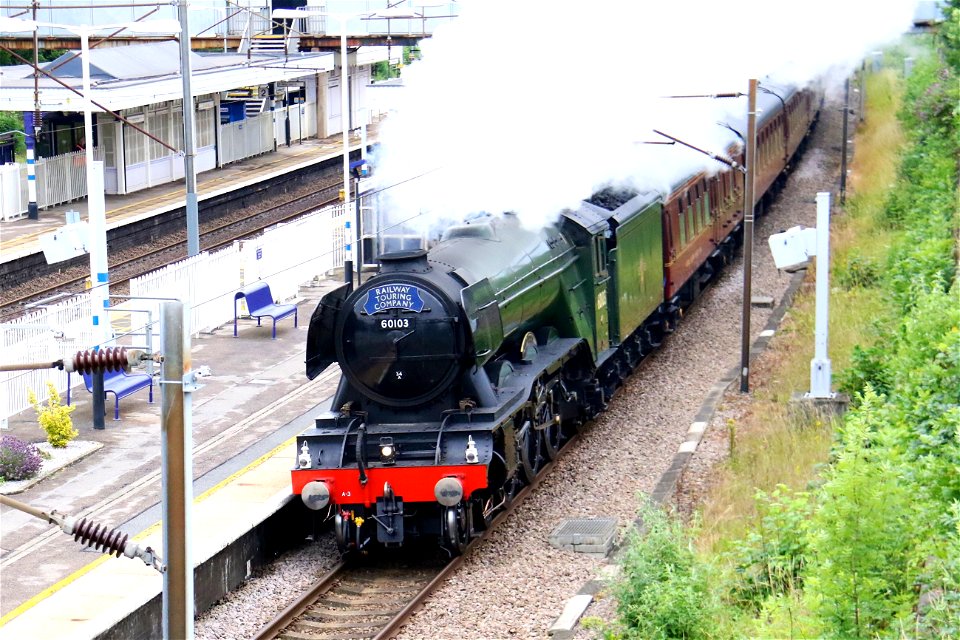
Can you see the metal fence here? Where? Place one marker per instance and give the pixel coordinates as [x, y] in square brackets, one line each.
[246, 138]
[302, 119]
[285, 256]
[291, 254]
[249, 19]
[60, 179]
[208, 281]
[44, 335]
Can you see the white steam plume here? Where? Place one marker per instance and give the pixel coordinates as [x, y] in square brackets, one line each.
[532, 106]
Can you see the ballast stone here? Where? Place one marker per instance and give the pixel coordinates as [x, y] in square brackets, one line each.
[594, 536]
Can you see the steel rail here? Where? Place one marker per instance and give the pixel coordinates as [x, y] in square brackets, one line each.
[297, 607]
[287, 617]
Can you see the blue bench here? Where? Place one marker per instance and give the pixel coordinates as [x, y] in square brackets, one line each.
[119, 384]
[260, 304]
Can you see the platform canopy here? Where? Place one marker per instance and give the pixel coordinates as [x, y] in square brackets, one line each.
[142, 74]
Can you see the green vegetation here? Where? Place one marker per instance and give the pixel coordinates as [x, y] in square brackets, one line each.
[13, 121]
[848, 529]
[385, 71]
[666, 591]
[43, 55]
[54, 418]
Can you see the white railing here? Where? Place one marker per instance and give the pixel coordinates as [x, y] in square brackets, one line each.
[291, 254]
[246, 138]
[10, 192]
[60, 179]
[338, 234]
[285, 257]
[208, 281]
[248, 21]
[44, 335]
[303, 122]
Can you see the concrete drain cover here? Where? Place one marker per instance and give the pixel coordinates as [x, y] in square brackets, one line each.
[585, 535]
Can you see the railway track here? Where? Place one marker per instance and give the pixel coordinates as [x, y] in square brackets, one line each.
[354, 602]
[213, 235]
[364, 601]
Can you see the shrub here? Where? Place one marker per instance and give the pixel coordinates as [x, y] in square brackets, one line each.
[54, 418]
[857, 272]
[665, 592]
[769, 560]
[18, 460]
[939, 610]
[861, 559]
[868, 368]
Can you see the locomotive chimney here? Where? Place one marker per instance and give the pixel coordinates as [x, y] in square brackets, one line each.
[404, 261]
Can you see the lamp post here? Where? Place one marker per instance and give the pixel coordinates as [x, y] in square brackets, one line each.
[96, 206]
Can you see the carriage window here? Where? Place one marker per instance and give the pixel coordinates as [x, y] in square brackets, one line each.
[683, 225]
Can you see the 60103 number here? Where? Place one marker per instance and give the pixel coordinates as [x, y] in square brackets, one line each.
[395, 323]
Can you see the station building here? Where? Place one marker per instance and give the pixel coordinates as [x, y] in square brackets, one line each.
[244, 105]
[257, 82]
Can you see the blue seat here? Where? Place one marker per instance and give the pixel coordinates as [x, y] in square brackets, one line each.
[119, 384]
[260, 304]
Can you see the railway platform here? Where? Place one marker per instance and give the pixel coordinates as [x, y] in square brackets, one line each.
[21, 237]
[255, 401]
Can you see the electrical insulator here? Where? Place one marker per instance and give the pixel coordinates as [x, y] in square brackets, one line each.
[37, 120]
[109, 541]
[100, 537]
[104, 360]
[97, 536]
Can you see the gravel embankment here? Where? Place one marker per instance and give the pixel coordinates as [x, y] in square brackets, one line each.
[515, 584]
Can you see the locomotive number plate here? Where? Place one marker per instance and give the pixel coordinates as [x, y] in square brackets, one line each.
[395, 323]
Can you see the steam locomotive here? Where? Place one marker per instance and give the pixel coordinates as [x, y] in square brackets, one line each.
[467, 367]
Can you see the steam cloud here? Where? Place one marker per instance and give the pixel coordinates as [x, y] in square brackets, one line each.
[532, 106]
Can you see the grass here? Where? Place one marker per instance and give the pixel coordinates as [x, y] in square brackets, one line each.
[858, 237]
[773, 444]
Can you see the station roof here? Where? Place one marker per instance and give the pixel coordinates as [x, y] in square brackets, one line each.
[142, 74]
